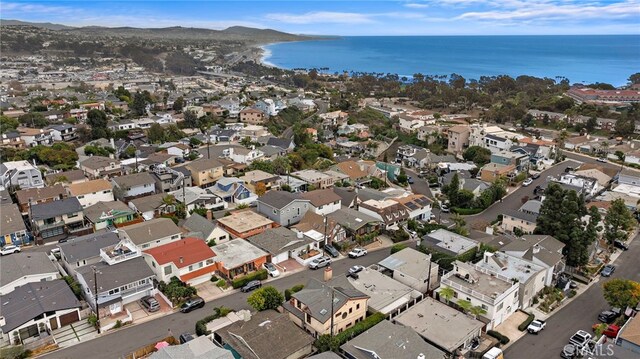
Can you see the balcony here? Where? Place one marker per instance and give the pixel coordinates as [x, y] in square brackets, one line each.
[120, 252]
[45, 226]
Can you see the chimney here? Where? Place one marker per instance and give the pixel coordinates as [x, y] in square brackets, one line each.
[209, 215]
[181, 259]
[328, 274]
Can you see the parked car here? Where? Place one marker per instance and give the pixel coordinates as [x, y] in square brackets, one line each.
[191, 304]
[608, 316]
[569, 169]
[150, 303]
[331, 250]
[601, 159]
[536, 175]
[620, 244]
[356, 269]
[611, 331]
[357, 252]
[320, 262]
[444, 208]
[271, 269]
[608, 270]
[580, 338]
[254, 284]
[410, 180]
[9, 249]
[527, 182]
[536, 326]
[185, 337]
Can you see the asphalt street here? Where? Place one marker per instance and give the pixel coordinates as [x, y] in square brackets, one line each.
[580, 314]
[124, 341]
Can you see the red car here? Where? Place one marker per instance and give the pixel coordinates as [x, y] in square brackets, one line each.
[611, 331]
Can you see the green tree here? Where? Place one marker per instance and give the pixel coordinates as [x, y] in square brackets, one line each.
[172, 133]
[477, 311]
[591, 124]
[620, 155]
[625, 125]
[178, 104]
[446, 293]
[190, 119]
[326, 343]
[265, 298]
[479, 155]
[451, 190]
[139, 104]
[7, 124]
[398, 247]
[402, 177]
[621, 293]
[33, 119]
[618, 221]
[464, 304]
[155, 134]
[194, 142]
[97, 119]
[246, 142]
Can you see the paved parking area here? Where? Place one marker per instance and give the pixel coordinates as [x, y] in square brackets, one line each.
[209, 290]
[510, 326]
[290, 265]
[74, 333]
[139, 313]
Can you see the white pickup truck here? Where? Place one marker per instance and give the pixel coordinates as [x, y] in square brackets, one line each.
[536, 326]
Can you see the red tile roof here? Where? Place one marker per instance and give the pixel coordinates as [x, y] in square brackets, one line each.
[191, 250]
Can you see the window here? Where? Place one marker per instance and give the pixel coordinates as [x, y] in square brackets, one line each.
[209, 261]
[72, 215]
[153, 264]
[142, 282]
[175, 236]
[80, 197]
[275, 212]
[455, 294]
[499, 306]
[167, 270]
[146, 245]
[105, 192]
[190, 268]
[344, 315]
[484, 306]
[350, 310]
[308, 317]
[201, 264]
[357, 306]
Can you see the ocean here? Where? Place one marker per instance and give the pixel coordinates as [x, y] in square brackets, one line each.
[581, 59]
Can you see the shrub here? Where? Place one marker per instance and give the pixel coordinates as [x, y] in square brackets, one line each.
[211, 242]
[75, 287]
[297, 288]
[287, 294]
[398, 247]
[466, 211]
[535, 300]
[92, 319]
[327, 343]
[118, 324]
[572, 293]
[221, 283]
[213, 278]
[258, 275]
[522, 327]
[503, 339]
[201, 325]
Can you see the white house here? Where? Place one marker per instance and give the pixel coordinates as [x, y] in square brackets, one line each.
[91, 192]
[20, 173]
[134, 185]
[150, 234]
[190, 259]
[179, 149]
[492, 291]
[323, 201]
[244, 155]
[19, 269]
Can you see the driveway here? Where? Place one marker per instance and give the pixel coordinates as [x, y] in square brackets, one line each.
[74, 333]
[209, 291]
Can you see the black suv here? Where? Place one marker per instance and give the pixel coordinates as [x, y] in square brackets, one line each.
[191, 304]
[254, 284]
[608, 316]
[620, 244]
[185, 337]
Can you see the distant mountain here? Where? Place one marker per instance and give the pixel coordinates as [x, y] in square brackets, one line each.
[43, 25]
[236, 33]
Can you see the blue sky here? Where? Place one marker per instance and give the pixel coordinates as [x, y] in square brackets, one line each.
[338, 17]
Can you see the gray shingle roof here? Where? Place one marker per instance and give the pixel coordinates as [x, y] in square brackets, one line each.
[33, 299]
[18, 265]
[10, 219]
[55, 208]
[388, 340]
[316, 296]
[521, 215]
[88, 246]
[278, 240]
[148, 231]
[279, 199]
[197, 223]
[132, 180]
[148, 203]
[351, 219]
[117, 275]
[94, 212]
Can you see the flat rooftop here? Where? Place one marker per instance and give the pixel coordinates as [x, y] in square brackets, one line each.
[244, 221]
[440, 324]
[237, 252]
[510, 266]
[489, 285]
[447, 241]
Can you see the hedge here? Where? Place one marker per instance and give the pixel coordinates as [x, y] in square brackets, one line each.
[503, 340]
[530, 317]
[326, 343]
[201, 325]
[466, 211]
[258, 275]
[289, 292]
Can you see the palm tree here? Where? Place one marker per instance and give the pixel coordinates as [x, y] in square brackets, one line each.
[447, 293]
[476, 311]
[465, 305]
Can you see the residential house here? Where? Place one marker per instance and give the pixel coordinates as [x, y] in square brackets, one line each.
[412, 268]
[66, 177]
[404, 152]
[323, 201]
[390, 212]
[418, 205]
[35, 136]
[92, 192]
[243, 224]
[252, 116]
[238, 257]
[179, 150]
[519, 160]
[458, 139]
[198, 348]
[542, 250]
[295, 184]
[440, 325]
[63, 132]
[497, 294]
[315, 178]
[268, 180]
[12, 139]
[124, 277]
[574, 143]
[356, 223]
[59, 218]
[189, 259]
[153, 206]
[354, 172]
[12, 229]
[85, 250]
[285, 143]
[233, 190]
[35, 309]
[270, 153]
[518, 221]
[313, 307]
[629, 335]
[282, 244]
[152, 233]
[96, 167]
[493, 171]
[169, 179]
[388, 340]
[109, 215]
[32, 196]
[20, 173]
[386, 295]
[590, 186]
[254, 132]
[444, 241]
[197, 198]
[204, 228]
[245, 155]
[205, 172]
[313, 225]
[19, 269]
[283, 207]
[133, 185]
[255, 338]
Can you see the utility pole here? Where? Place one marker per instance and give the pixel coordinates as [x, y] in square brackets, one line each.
[325, 231]
[95, 283]
[332, 309]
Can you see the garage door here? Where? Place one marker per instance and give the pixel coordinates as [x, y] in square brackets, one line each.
[280, 257]
[69, 318]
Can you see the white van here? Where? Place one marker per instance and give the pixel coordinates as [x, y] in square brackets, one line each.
[494, 353]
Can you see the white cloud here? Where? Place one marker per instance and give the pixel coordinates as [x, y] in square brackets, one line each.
[321, 17]
[416, 6]
[18, 8]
